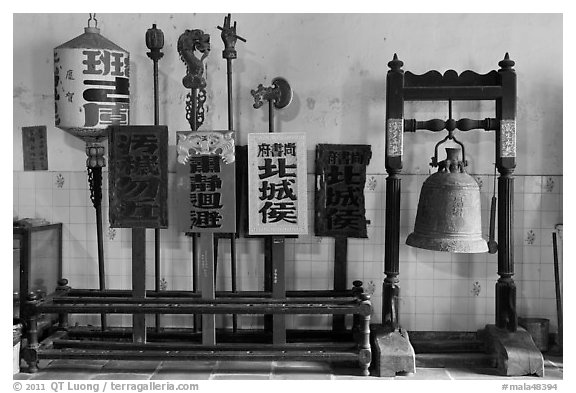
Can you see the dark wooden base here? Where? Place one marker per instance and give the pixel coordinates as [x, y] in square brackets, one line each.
[514, 353]
[392, 352]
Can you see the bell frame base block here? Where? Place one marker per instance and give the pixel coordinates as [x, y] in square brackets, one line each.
[392, 352]
[515, 353]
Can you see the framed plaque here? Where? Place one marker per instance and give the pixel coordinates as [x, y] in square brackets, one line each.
[339, 194]
[138, 176]
[277, 198]
[205, 181]
[35, 148]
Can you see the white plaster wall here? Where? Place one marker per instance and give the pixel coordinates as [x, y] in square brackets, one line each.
[336, 65]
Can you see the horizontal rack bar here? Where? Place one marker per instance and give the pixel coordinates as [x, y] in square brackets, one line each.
[138, 300]
[168, 294]
[222, 335]
[275, 354]
[180, 346]
[352, 307]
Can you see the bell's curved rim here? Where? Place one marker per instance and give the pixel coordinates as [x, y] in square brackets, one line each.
[454, 244]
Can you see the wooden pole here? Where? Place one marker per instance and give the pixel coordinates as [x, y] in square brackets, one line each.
[558, 293]
[155, 42]
[340, 277]
[205, 257]
[139, 282]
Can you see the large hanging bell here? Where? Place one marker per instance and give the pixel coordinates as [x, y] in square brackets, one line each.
[448, 216]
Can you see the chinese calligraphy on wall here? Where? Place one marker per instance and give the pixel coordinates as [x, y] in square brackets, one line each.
[339, 197]
[277, 184]
[35, 148]
[138, 177]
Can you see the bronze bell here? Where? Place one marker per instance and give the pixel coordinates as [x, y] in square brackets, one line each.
[448, 216]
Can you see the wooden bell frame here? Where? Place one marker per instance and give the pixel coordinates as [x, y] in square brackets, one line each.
[499, 86]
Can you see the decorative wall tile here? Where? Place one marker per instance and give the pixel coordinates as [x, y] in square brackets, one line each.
[60, 180]
[111, 233]
[371, 183]
[530, 237]
[549, 184]
[476, 288]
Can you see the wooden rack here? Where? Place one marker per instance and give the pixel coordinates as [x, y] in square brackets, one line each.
[184, 344]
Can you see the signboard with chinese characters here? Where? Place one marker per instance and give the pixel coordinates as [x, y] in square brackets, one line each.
[138, 176]
[339, 197]
[35, 148]
[277, 184]
[206, 181]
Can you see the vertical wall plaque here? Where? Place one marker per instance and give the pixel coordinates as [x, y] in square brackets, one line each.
[138, 177]
[35, 148]
[507, 138]
[339, 196]
[277, 184]
[206, 181]
[394, 137]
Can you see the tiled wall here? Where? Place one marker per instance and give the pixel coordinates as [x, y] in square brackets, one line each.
[439, 291]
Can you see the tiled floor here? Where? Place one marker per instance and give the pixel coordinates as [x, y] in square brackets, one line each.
[249, 370]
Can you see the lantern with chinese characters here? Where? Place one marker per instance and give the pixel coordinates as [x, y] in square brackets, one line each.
[91, 85]
[91, 93]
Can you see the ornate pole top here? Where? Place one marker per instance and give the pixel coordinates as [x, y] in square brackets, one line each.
[280, 93]
[229, 37]
[154, 42]
[395, 64]
[189, 42]
[506, 63]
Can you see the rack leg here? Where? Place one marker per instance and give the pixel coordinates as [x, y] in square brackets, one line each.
[30, 354]
[365, 354]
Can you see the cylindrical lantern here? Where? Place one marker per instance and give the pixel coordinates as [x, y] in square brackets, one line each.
[91, 85]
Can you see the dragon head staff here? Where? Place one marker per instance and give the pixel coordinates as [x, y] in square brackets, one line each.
[189, 42]
[192, 40]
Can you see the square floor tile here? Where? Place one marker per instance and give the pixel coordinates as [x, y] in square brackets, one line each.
[426, 373]
[241, 376]
[241, 367]
[122, 376]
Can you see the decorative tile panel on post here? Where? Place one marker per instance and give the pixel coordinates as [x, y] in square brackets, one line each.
[277, 184]
[205, 181]
[138, 178]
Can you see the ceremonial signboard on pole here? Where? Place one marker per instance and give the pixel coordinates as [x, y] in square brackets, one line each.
[339, 197]
[277, 184]
[138, 177]
[206, 181]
